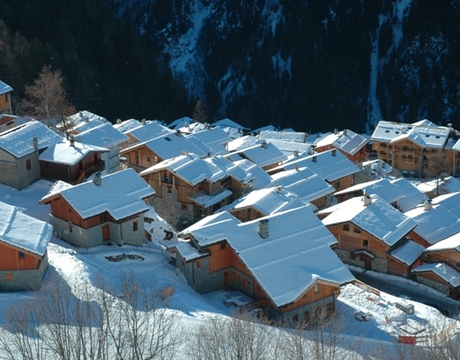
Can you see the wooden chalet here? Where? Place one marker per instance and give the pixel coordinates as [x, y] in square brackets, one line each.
[101, 211]
[5, 98]
[440, 276]
[259, 257]
[384, 188]
[420, 149]
[264, 154]
[191, 187]
[373, 235]
[71, 161]
[23, 245]
[349, 143]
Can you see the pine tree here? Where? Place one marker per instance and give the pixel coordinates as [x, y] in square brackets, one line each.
[199, 114]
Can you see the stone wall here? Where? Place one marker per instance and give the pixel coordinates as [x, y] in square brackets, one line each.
[24, 280]
[434, 284]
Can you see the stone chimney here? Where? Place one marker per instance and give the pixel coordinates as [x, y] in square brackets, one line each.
[72, 141]
[35, 142]
[296, 152]
[427, 205]
[118, 121]
[263, 229]
[366, 199]
[263, 144]
[97, 179]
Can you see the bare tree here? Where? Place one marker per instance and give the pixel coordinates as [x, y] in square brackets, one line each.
[46, 98]
[238, 338]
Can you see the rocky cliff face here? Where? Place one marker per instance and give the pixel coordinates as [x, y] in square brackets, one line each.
[310, 65]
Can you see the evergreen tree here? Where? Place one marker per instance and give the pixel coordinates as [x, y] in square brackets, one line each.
[199, 114]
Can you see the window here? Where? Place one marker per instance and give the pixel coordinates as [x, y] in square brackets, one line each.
[198, 263]
[183, 207]
[135, 225]
[70, 228]
[223, 245]
[21, 255]
[365, 243]
[316, 288]
[28, 164]
[9, 277]
[346, 227]
[357, 230]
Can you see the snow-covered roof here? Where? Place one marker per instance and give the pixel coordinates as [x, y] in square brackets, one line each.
[450, 243]
[263, 128]
[170, 146]
[290, 136]
[4, 88]
[346, 140]
[127, 125]
[206, 200]
[408, 252]
[289, 148]
[181, 122]
[378, 218]
[149, 130]
[412, 196]
[424, 134]
[290, 260]
[22, 231]
[450, 201]
[214, 138]
[263, 154]
[225, 123]
[304, 182]
[68, 154]
[18, 141]
[193, 169]
[112, 195]
[330, 165]
[381, 187]
[104, 135]
[434, 224]
[442, 185]
[267, 201]
[242, 142]
[261, 178]
[82, 121]
[444, 271]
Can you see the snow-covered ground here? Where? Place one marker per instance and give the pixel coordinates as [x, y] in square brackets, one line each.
[75, 266]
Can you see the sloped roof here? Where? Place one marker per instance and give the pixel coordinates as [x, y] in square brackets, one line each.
[293, 136]
[267, 201]
[214, 138]
[450, 243]
[127, 125]
[22, 231]
[408, 253]
[226, 122]
[378, 218]
[346, 140]
[149, 131]
[381, 187]
[304, 182]
[446, 222]
[450, 201]
[444, 271]
[104, 135]
[288, 148]
[330, 165]
[412, 195]
[290, 260]
[242, 142]
[193, 169]
[4, 88]
[206, 200]
[261, 178]
[264, 154]
[113, 195]
[181, 122]
[18, 141]
[65, 153]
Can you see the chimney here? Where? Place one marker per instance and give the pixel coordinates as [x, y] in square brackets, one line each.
[334, 152]
[263, 228]
[97, 179]
[263, 144]
[296, 152]
[296, 167]
[427, 205]
[178, 133]
[207, 126]
[143, 121]
[35, 142]
[72, 141]
[118, 121]
[366, 199]
[336, 131]
[345, 132]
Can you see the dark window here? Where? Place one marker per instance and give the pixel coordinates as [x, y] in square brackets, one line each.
[21, 255]
[346, 227]
[28, 164]
[223, 246]
[365, 243]
[198, 263]
[357, 230]
[135, 226]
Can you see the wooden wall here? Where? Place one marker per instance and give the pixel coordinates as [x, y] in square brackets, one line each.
[10, 260]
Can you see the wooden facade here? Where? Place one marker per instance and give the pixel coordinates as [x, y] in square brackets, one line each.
[14, 258]
[360, 156]
[414, 160]
[342, 183]
[72, 174]
[450, 257]
[5, 103]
